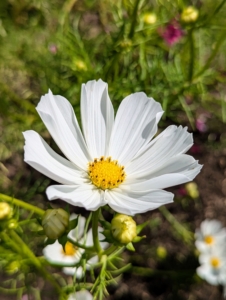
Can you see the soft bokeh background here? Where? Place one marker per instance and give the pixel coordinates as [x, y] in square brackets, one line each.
[134, 46]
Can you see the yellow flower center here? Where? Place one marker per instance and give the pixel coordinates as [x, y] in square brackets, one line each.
[69, 249]
[209, 239]
[215, 262]
[106, 173]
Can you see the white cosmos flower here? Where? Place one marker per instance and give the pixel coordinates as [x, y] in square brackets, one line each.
[210, 234]
[81, 295]
[72, 255]
[213, 265]
[115, 161]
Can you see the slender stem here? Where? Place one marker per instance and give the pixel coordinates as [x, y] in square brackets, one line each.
[134, 19]
[96, 241]
[22, 204]
[212, 56]
[186, 234]
[126, 268]
[192, 55]
[80, 245]
[26, 250]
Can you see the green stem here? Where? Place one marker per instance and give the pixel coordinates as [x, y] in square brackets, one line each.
[192, 54]
[37, 263]
[80, 245]
[96, 241]
[185, 234]
[22, 204]
[134, 19]
[212, 56]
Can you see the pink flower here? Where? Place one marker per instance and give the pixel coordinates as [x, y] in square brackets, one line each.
[53, 48]
[172, 33]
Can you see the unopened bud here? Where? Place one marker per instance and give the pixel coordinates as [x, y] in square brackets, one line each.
[189, 14]
[192, 190]
[80, 65]
[13, 267]
[5, 210]
[55, 222]
[123, 228]
[161, 252]
[12, 224]
[149, 18]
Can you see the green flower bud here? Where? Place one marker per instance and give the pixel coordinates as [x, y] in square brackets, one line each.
[189, 14]
[123, 228]
[13, 267]
[161, 252]
[192, 190]
[12, 224]
[55, 222]
[5, 210]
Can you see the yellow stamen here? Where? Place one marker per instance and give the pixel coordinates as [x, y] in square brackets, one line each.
[106, 173]
[69, 249]
[215, 262]
[209, 239]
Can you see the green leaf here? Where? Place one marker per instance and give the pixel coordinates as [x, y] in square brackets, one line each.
[130, 247]
[73, 223]
[63, 240]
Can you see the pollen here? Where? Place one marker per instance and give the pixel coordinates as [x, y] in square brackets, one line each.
[106, 173]
[69, 249]
[209, 239]
[215, 262]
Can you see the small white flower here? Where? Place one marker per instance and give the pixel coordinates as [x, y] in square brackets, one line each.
[114, 161]
[81, 295]
[55, 253]
[213, 265]
[209, 235]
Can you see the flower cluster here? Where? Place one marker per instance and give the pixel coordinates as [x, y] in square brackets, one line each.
[211, 243]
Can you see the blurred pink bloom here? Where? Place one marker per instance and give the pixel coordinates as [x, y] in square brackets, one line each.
[182, 191]
[195, 149]
[172, 33]
[200, 122]
[53, 48]
[201, 125]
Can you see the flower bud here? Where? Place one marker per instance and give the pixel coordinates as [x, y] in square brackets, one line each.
[13, 267]
[55, 222]
[12, 224]
[189, 14]
[192, 190]
[149, 18]
[5, 210]
[123, 228]
[161, 252]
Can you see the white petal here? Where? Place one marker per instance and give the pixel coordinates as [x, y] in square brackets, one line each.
[54, 254]
[135, 124]
[86, 195]
[97, 117]
[81, 295]
[167, 180]
[132, 202]
[183, 163]
[40, 156]
[74, 270]
[173, 141]
[58, 116]
[77, 233]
